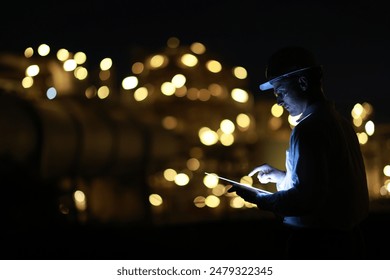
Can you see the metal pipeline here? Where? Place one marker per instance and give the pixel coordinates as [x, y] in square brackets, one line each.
[66, 136]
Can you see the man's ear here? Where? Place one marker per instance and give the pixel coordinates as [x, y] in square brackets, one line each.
[302, 80]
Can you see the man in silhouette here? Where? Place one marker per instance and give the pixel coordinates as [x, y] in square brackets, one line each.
[322, 195]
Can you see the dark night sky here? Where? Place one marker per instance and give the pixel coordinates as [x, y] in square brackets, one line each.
[352, 40]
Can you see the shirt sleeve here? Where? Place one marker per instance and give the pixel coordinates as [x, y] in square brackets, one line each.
[305, 185]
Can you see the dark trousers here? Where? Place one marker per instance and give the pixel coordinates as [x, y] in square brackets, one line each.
[320, 244]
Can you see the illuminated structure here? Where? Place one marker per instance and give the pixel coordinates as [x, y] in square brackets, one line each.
[137, 151]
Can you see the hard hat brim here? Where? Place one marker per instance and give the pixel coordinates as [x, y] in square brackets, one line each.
[268, 85]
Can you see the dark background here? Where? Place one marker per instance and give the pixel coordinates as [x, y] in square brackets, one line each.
[351, 38]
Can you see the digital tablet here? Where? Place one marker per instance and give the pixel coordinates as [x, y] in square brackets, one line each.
[238, 184]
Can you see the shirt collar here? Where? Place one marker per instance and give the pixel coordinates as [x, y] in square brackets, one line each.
[311, 109]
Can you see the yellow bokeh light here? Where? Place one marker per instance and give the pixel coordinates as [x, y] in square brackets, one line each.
[227, 126]
[240, 72]
[168, 89]
[207, 136]
[198, 48]
[277, 110]
[386, 170]
[210, 180]
[214, 66]
[106, 63]
[189, 60]
[212, 201]
[141, 93]
[155, 200]
[32, 70]
[181, 179]
[243, 120]
[43, 50]
[129, 82]
[226, 139]
[193, 164]
[240, 95]
[169, 174]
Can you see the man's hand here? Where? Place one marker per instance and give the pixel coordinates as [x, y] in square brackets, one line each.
[248, 195]
[268, 174]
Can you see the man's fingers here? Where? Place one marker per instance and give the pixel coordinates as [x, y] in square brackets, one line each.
[254, 171]
[265, 180]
